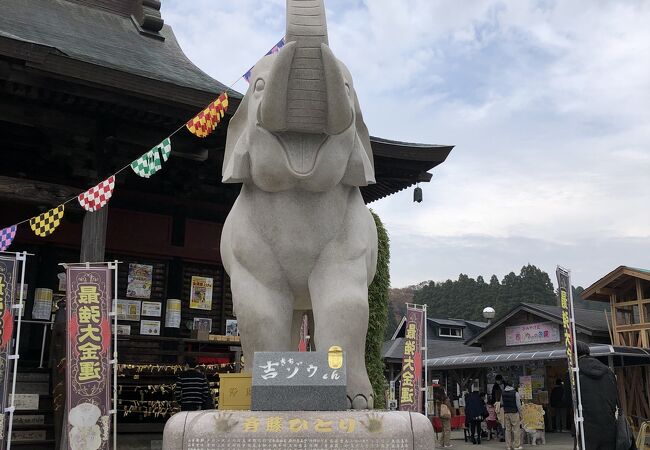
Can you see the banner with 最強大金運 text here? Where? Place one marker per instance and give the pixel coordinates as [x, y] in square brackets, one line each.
[7, 292]
[410, 388]
[88, 351]
[566, 302]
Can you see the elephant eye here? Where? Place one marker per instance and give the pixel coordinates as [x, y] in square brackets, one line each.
[347, 89]
[259, 85]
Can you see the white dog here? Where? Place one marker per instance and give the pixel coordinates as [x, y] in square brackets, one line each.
[532, 436]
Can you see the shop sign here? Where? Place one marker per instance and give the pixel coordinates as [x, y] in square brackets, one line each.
[526, 387]
[533, 333]
[88, 350]
[410, 398]
[7, 291]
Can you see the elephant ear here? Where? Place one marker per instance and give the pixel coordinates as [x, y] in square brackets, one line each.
[236, 161]
[361, 167]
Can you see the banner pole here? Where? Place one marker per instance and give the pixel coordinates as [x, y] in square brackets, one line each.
[22, 257]
[576, 369]
[426, 372]
[114, 312]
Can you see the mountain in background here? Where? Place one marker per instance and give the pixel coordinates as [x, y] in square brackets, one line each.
[466, 297]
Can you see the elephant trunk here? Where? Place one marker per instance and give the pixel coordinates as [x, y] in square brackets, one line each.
[306, 91]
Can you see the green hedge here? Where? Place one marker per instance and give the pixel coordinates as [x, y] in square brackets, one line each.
[378, 320]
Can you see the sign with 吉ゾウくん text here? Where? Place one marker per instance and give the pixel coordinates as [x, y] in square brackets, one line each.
[299, 381]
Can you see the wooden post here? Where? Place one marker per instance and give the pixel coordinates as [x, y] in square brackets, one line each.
[93, 236]
[612, 301]
[93, 232]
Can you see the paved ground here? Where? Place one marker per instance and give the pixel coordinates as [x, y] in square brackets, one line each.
[554, 441]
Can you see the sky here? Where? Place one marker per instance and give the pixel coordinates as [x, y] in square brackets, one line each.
[546, 102]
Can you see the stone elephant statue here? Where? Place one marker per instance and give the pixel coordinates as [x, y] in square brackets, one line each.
[299, 236]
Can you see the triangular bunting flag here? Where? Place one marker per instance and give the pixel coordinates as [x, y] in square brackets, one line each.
[144, 165]
[165, 148]
[43, 225]
[207, 120]
[96, 197]
[7, 236]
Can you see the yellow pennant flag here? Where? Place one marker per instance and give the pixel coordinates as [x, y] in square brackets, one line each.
[44, 224]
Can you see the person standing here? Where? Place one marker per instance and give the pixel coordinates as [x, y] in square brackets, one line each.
[599, 401]
[192, 391]
[475, 412]
[496, 389]
[511, 404]
[445, 418]
[557, 405]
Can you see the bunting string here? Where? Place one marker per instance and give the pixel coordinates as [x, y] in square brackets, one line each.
[146, 165]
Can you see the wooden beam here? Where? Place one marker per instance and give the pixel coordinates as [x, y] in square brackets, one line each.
[634, 273]
[617, 337]
[35, 192]
[605, 291]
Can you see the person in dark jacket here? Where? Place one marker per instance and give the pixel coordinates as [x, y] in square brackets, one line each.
[475, 412]
[511, 404]
[599, 401]
[559, 410]
[496, 389]
[192, 390]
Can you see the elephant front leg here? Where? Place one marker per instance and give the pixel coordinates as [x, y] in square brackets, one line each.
[264, 312]
[339, 295]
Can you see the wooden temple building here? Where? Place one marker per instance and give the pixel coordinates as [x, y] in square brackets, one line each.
[87, 86]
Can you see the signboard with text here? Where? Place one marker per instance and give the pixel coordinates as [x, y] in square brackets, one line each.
[533, 333]
[88, 349]
[7, 292]
[566, 302]
[411, 383]
[299, 381]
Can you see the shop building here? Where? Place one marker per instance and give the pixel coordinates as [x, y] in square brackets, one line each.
[528, 342]
[86, 87]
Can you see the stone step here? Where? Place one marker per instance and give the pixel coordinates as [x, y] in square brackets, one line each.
[28, 435]
[28, 387]
[44, 444]
[28, 419]
[33, 377]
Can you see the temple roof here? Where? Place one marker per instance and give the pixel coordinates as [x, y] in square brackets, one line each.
[102, 33]
[124, 48]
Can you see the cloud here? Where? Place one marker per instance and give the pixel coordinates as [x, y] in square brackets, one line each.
[545, 101]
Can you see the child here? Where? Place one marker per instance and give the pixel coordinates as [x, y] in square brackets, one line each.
[491, 421]
[445, 417]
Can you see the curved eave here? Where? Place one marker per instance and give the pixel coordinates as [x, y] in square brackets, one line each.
[91, 45]
[400, 165]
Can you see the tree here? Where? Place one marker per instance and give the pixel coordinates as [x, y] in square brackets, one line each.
[466, 297]
[378, 318]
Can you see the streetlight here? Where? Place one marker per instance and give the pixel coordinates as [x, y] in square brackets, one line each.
[489, 314]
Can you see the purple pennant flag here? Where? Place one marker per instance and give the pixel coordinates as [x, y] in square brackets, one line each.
[276, 48]
[7, 236]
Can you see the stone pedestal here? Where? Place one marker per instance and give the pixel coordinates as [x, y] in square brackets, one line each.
[299, 430]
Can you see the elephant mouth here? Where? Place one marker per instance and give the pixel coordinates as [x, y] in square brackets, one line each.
[301, 150]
